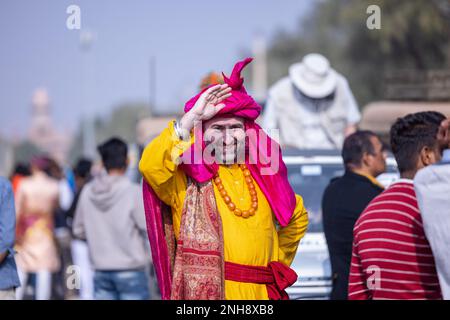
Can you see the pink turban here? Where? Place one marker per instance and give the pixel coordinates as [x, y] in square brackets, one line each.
[275, 185]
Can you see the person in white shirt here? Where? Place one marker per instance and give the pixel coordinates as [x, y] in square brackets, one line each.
[313, 107]
[432, 185]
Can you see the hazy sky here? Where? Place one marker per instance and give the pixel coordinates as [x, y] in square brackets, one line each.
[188, 39]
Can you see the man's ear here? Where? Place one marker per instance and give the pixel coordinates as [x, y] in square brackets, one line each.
[427, 156]
[366, 160]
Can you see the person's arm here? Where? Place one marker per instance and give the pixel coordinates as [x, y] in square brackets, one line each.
[357, 285]
[290, 236]
[7, 221]
[353, 114]
[159, 164]
[78, 227]
[138, 213]
[350, 129]
[66, 195]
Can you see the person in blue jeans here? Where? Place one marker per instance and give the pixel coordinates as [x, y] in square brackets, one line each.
[121, 285]
[9, 279]
[110, 217]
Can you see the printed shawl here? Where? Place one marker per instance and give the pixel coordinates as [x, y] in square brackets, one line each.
[197, 259]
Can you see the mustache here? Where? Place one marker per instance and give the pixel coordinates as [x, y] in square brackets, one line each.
[221, 141]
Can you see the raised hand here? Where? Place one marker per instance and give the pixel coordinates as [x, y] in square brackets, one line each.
[207, 106]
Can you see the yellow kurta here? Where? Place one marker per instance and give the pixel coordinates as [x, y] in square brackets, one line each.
[252, 241]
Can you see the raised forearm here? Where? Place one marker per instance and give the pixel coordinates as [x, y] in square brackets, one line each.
[186, 124]
[159, 162]
[160, 156]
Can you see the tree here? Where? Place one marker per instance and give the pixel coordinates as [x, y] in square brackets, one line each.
[120, 123]
[414, 34]
[25, 151]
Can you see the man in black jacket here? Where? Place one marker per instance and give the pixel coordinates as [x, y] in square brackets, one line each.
[346, 197]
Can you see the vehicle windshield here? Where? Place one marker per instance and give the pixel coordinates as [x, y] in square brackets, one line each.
[310, 181]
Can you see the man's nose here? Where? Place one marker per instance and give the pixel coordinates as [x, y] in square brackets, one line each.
[228, 138]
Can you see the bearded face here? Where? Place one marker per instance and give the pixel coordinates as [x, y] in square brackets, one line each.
[225, 138]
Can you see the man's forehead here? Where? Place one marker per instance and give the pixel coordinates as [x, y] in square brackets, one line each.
[224, 121]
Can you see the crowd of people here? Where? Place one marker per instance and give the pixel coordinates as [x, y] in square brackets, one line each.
[79, 234]
[230, 228]
[392, 243]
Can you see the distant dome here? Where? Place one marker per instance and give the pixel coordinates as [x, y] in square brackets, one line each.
[40, 101]
[42, 133]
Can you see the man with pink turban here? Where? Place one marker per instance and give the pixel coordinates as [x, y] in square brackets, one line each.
[223, 221]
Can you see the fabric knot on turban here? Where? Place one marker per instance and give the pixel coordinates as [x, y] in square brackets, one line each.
[240, 104]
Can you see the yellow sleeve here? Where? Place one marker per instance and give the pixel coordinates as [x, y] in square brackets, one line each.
[290, 236]
[158, 164]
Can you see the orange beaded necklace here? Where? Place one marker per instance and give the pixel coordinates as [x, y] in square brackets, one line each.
[226, 198]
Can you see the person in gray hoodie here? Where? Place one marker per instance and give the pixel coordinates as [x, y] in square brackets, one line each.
[110, 216]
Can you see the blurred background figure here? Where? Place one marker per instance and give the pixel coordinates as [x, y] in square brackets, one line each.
[80, 253]
[9, 279]
[211, 78]
[432, 185]
[20, 171]
[110, 216]
[36, 201]
[313, 107]
[62, 231]
[345, 199]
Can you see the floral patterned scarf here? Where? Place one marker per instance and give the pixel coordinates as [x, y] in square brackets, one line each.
[199, 263]
[197, 259]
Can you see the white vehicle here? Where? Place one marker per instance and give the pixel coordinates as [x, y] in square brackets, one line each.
[309, 173]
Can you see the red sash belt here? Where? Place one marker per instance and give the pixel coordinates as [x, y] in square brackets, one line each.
[276, 276]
